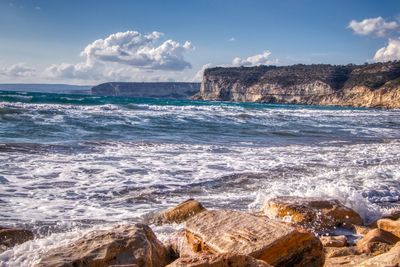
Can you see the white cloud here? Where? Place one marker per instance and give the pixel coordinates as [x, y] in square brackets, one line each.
[389, 52]
[124, 55]
[199, 75]
[18, 70]
[137, 50]
[256, 60]
[232, 39]
[373, 26]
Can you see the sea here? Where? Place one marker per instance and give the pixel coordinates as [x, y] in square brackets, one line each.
[71, 163]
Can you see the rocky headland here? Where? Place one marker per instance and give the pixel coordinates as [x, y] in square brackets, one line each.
[368, 85]
[287, 231]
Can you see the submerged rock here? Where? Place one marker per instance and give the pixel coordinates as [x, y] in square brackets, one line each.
[376, 242]
[10, 237]
[389, 225]
[180, 213]
[312, 213]
[122, 245]
[219, 260]
[274, 242]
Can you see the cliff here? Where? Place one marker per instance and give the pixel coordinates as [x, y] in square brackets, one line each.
[369, 85]
[177, 90]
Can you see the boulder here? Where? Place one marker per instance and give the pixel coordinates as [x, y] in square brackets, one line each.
[388, 259]
[122, 245]
[312, 213]
[219, 260]
[180, 213]
[10, 237]
[389, 225]
[376, 242]
[274, 242]
[334, 241]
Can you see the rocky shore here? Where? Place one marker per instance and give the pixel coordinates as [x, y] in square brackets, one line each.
[287, 231]
[368, 85]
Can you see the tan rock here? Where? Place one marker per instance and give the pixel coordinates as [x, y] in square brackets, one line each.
[122, 245]
[313, 213]
[179, 246]
[274, 242]
[388, 259]
[346, 261]
[389, 225]
[219, 260]
[334, 241]
[377, 242]
[362, 230]
[332, 252]
[10, 237]
[180, 213]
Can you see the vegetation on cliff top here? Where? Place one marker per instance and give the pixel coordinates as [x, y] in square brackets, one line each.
[337, 76]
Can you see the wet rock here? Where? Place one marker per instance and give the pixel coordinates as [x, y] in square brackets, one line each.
[389, 225]
[312, 213]
[122, 245]
[10, 237]
[274, 242]
[180, 213]
[377, 242]
[388, 259]
[334, 241]
[219, 260]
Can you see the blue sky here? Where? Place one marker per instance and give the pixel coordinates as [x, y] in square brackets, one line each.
[45, 41]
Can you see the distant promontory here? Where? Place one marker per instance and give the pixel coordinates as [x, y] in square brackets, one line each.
[368, 85]
[175, 90]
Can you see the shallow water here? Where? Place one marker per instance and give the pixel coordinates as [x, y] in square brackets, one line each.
[71, 163]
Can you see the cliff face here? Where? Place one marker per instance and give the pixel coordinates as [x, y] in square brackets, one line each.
[177, 90]
[372, 85]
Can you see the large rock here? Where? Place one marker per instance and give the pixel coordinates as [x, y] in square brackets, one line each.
[376, 242]
[10, 237]
[388, 259]
[122, 245]
[219, 260]
[179, 213]
[274, 242]
[389, 225]
[312, 213]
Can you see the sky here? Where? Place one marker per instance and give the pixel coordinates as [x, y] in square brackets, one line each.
[94, 41]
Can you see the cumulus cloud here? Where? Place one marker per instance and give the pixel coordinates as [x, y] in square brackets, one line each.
[134, 49]
[199, 75]
[373, 26]
[256, 60]
[389, 52]
[18, 70]
[125, 52]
